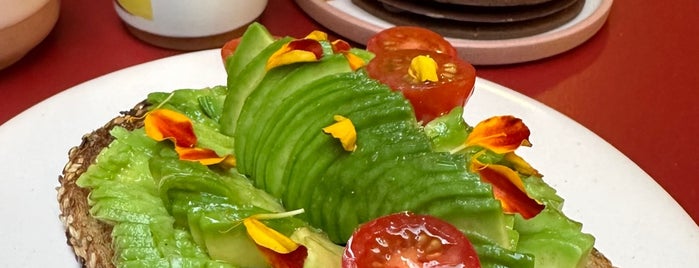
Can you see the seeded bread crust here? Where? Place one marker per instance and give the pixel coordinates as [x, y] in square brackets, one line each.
[91, 239]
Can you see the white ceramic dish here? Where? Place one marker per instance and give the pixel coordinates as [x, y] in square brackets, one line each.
[636, 223]
[358, 25]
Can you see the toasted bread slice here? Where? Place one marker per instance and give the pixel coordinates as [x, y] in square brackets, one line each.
[89, 238]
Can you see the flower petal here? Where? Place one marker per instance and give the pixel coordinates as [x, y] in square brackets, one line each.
[162, 124]
[520, 165]
[509, 189]
[300, 50]
[268, 237]
[344, 130]
[354, 61]
[500, 134]
[423, 69]
[317, 35]
[294, 259]
[340, 46]
[204, 156]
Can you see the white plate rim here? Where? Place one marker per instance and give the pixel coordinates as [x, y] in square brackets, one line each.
[348, 20]
[33, 236]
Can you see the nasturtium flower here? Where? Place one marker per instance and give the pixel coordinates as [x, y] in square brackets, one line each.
[503, 135]
[341, 46]
[309, 49]
[500, 134]
[268, 237]
[165, 124]
[300, 50]
[354, 61]
[317, 35]
[204, 156]
[278, 249]
[423, 69]
[518, 163]
[343, 130]
[508, 188]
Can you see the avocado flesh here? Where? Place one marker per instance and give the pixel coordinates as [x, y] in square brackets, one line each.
[252, 42]
[244, 83]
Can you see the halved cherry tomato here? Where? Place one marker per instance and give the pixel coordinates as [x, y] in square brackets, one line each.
[409, 240]
[409, 37]
[229, 47]
[429, 99]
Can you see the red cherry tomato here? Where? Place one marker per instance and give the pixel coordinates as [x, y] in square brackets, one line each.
[429, 99]
[409, 240]
[409, 37]
[229, 47]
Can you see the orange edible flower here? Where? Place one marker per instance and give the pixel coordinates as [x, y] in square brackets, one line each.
[294, 259]
[344, 130]
[508, 188]
[268, 237]
[204, 156]
[317, 35]
[500, 134]
[309, 49]
[300, 50]
[164, 124]
[520, 165]
[503, 135]
[341, 46]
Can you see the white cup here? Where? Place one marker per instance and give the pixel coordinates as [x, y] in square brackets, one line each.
[188, 24]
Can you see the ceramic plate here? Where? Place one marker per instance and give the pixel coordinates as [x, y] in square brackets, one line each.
[357, 25]
[636, 223]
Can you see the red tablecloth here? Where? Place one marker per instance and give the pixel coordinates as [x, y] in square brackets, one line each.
[635, 83]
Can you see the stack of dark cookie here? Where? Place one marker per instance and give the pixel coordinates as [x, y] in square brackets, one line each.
[477, 19]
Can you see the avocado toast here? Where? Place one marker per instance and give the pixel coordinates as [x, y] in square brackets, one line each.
[273, 135]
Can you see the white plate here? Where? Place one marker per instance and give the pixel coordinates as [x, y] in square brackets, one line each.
[636, 223]
[358, 25]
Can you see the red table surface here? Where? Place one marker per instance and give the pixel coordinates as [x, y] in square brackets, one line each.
[635, 83]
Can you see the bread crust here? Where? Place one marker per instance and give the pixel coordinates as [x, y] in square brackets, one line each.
[91, 239]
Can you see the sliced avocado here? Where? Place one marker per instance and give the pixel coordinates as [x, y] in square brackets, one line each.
[307, 122]
[241, 85]
[252, 42]
[321, 251]
[327, 196]
[269, 96]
